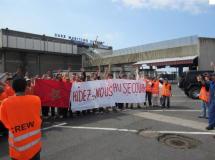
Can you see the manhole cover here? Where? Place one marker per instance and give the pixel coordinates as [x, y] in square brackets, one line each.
[178, 141]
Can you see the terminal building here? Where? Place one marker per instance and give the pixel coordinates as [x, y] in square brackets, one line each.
[195, 53]
[38, 54]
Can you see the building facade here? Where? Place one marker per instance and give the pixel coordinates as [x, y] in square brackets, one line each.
[40, 53]
[36, 53]
[193, 52]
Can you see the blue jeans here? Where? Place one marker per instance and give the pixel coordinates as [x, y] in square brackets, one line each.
[165, 101]
[211, 114]
[204, 109]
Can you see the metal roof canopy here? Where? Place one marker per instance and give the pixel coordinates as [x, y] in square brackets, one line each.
[173, 43]
[168, 61]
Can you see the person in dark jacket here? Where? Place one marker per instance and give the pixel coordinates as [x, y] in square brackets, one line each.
[211, 110]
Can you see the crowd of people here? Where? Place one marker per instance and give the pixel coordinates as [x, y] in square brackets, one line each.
[20, 109]
[158, 90]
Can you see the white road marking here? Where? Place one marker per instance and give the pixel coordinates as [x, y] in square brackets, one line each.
[179, 95]
[98, 128]
[172, 120]
[185, 101]
[175, 110]
[164, 110]
[61, 124]
[181, 132]
[136, 131]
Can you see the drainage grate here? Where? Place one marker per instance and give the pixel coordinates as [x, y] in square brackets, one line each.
[178, 141]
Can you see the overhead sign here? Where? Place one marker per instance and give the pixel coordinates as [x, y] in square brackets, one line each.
[77, 39]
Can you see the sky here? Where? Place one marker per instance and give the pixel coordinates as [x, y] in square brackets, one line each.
[120, 23]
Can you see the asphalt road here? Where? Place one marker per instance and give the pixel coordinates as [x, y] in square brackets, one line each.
[132, 134]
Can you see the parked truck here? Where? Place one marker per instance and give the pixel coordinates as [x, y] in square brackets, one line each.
[188, 83]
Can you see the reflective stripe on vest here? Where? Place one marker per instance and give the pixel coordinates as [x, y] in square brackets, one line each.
[25, 147]
[24, 136]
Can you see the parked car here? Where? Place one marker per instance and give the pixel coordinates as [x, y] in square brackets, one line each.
[189, 84]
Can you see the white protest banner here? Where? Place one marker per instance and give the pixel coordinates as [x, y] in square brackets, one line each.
[104, 93]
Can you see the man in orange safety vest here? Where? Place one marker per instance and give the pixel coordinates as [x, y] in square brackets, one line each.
[204, 94]
[166, 93]
[20, 114]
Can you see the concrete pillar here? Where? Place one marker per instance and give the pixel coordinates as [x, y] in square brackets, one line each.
[38, 65]
[192, 68]
[137, 72]
[3, 60]
[24, 62]
[180, 70]
[114, 75]
[109, 68]
[82, 61]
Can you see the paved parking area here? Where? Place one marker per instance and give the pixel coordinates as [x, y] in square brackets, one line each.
[132, 134]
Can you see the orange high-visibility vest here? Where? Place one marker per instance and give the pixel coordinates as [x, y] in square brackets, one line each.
[9, 90]
[166, 90]
[148, 86]
[2, 97]
[21, 116]
[204, 95]
[155, 88]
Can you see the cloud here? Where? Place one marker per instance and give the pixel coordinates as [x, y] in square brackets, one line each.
[192, 6]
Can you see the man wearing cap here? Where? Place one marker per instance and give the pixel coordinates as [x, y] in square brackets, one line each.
[7, 86]
[211, 109]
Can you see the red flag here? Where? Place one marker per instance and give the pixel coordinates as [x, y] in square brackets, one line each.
[53, 93]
